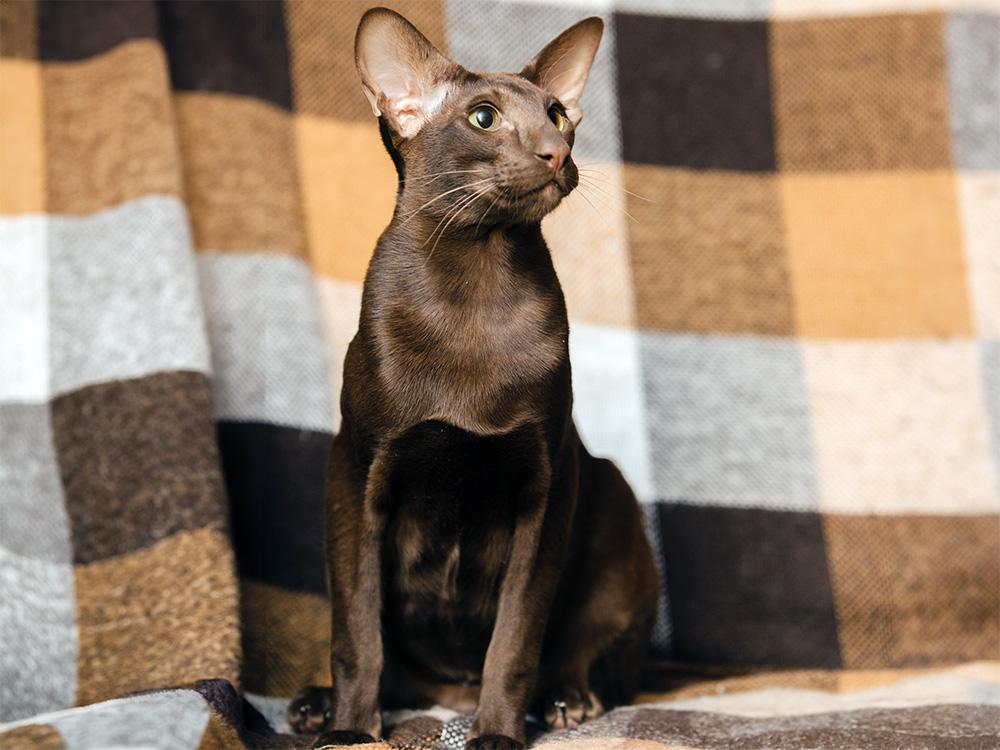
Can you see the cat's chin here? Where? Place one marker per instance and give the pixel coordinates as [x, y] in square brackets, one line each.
[538, 203]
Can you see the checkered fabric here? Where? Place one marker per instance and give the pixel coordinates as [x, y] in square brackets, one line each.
[782, 270]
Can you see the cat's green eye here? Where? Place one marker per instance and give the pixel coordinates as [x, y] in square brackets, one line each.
[484, 117]
[557, 117]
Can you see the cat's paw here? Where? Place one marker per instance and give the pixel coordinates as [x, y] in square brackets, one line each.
[309, 712]
[342, 738]
[568, 708]
[493, 742]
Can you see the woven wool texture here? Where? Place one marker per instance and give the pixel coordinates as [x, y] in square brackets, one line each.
[782, 271]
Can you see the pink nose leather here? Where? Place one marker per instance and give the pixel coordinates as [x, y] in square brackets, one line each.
[555, 154]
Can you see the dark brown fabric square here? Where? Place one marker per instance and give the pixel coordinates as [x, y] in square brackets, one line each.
[694, 93]
[748, 586]
[73, 30]
[138, 462]
[231, 46]
[274, 479]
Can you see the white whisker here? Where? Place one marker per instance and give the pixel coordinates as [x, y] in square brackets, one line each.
[468, 202]
[442, 195]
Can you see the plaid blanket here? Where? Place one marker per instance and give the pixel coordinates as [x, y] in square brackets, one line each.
[783, 280]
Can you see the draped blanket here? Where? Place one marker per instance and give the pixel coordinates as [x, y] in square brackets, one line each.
[782, 270]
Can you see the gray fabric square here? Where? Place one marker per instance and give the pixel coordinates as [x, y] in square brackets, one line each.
[38, 636]
[268, 351]
[496, 36]
[729, 421]
[973, 43]
[170, 720]
[123, 295]
[698, 8]
[991, 386]
[32, 504]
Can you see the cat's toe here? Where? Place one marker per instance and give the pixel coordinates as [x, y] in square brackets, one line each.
[493, 742]
[565, 709]
[309, 712]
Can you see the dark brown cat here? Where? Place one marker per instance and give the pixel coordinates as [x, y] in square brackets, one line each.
[478, 556]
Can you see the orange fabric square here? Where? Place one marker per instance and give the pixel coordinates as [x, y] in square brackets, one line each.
[22, 154]
[344, 220]
[865, 92]
[875, 255]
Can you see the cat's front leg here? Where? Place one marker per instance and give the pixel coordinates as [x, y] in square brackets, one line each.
[545, 510]
[355, 524]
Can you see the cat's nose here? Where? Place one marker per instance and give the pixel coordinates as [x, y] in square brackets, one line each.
[553, 153]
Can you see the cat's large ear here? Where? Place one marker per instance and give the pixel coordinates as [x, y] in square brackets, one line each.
[563, 66]
[403, 75]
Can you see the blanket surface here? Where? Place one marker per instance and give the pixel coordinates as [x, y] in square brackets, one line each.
[782, 270]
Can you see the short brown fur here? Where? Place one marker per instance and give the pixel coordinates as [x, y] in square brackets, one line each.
[478, 556]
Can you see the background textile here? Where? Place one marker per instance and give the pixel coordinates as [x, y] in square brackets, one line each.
[783, 278]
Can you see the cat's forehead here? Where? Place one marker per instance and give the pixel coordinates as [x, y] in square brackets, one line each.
[500, 88]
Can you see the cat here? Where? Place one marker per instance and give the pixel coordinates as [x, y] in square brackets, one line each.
[478, 556]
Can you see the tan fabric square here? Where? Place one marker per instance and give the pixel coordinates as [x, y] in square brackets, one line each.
[34, 736]
[240, 177]
[915, 590]
[588, 240]
[707, 251]
[219, 734]
[875, 255]
[900, 427]
[343, 220]
[286, 639]
[163, 616]
[19, 28]
[22, 154]
[321, 45]
[865, 92]
[109, 129]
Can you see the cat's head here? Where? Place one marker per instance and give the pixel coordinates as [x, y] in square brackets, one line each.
[500, 142]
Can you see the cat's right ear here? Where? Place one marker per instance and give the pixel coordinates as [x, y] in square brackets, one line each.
[403, 75]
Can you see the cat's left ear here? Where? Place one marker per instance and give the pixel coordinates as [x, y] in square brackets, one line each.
[562, 67]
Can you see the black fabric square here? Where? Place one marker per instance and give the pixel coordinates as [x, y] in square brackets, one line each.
[695, 93]
[748, 586]
[234, 46]
[74, 30]
[274, 476]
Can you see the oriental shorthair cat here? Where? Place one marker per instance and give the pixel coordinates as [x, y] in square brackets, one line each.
[478, 556]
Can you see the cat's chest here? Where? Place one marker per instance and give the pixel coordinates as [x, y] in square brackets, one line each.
[465, 362]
